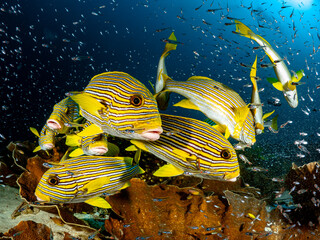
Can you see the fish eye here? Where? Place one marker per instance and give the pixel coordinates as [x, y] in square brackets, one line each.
[225, 154]
[136, 100]
[53, 180]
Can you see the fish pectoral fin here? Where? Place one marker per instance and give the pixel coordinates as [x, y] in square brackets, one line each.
[37, 149]
[98, 202]
[34, 131]
[95, 184]
[76, 153]
[220, 128]
[227, 133]
[168, 170]
[299, 74]
[278, 86]
[139, 144]
[93, 129]
[88, 103]
[186, 103]
[126, 185]
[73, 140]
[241, 114]
[259, 126]
[266, 115]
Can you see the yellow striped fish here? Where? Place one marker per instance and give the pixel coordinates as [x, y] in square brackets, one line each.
[63, 112]
[219, 103]
[84, 179]
[121, 106]
[46, 138]
[91, 145]
[162, 71]
[285, 82]
[192, 147]
[256, 102]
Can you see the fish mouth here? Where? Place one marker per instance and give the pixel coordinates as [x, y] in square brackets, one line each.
[54, 124]
[47, 146]
[99, 150]
[41, 197]
[152, 134]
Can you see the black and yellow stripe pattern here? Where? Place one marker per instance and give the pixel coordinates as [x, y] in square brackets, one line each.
[47, 138]
[81, 178]
[65, 111]
[195, 147]
[129, 107]
[218, 102]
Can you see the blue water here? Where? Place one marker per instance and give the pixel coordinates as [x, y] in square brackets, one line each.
[40, 38]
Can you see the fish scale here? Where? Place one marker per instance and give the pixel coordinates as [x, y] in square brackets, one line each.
[75, 173]
[194, 147]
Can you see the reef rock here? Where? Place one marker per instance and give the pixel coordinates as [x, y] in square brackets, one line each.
[303, 184]
[29, 230]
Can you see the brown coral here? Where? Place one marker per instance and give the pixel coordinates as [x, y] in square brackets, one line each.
[29, 230]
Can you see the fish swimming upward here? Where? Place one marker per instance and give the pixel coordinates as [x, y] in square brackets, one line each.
[255, 101]
[84, 179]
[192, 147]
[285, 82]
[46, 138]
[120, 105]
[219, 103]
[162, 71]
[63, 112]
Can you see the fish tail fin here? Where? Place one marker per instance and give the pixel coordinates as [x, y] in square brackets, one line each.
[170, 46]
[244, 30]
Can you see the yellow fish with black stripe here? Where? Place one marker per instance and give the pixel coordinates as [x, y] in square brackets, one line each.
[91, 145]
[219, 103]
[284, 82]
[192, 147]
[119, 105]
[63, 112]
[85, 179]
[46, 138]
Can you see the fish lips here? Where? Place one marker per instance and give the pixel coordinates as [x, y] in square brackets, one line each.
[291, 97]
[54, 124]
[152, 134]
[98, 150]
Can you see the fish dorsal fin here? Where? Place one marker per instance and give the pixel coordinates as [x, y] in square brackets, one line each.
[95, 184]
[98, 202]
[140, 144]
[76, 153]
[34, 131]
[192, 78]
[168, 170]
[73, 140]
[88, 103]
[266, 115]
[186, 103]
[93, 129]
